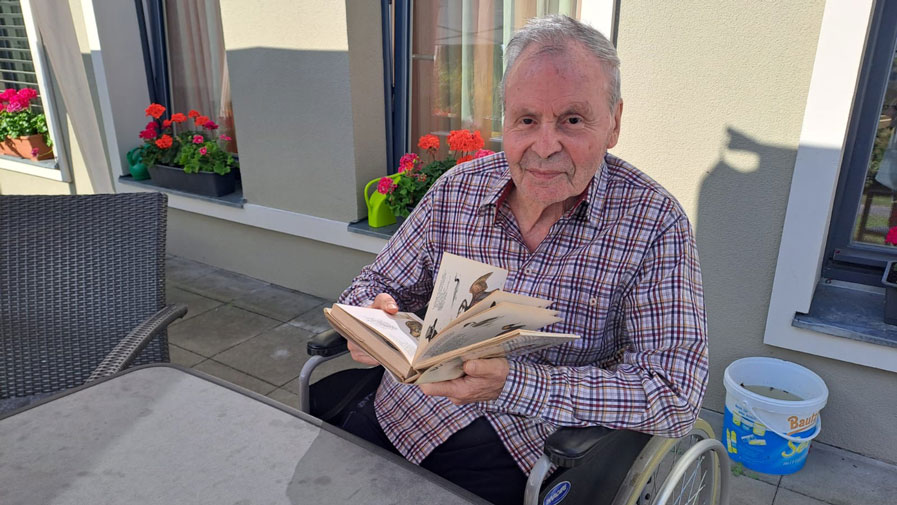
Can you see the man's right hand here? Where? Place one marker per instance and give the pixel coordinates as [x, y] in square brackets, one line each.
[386, 303]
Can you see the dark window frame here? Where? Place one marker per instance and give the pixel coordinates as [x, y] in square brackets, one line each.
[845, 259]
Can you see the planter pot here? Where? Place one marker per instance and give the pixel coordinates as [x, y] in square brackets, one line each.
[23, 147]
[202, 183]
[889, 280]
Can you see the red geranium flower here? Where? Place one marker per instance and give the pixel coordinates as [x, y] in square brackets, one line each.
[428, 142]
[386, 185]
[155, 110]
[164, 142]
[462, 159]
[193, 113]
[166, 123]
[200, 120]
[178, 117]
[891, 237]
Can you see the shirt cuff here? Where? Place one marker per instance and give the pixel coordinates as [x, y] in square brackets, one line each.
[525, 393]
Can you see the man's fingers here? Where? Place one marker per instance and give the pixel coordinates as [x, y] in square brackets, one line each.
[386, 303]
[360, 355]
[444, 388]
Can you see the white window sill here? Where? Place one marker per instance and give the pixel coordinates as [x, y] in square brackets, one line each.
[48, 169]
[306, 226]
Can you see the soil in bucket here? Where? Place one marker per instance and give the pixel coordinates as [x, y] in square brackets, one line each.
[772, 413]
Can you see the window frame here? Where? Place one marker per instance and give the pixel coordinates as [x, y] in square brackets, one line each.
[57, 169]
[833, 85]
[845, 259]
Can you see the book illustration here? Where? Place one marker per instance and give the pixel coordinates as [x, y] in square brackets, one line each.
[455, 275]
[494, 323]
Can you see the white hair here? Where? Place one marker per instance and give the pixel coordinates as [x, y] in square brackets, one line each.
[552, 34]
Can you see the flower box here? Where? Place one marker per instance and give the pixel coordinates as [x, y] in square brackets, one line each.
[31, 147]
[200, 183]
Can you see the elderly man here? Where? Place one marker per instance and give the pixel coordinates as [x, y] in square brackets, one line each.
[573, 224]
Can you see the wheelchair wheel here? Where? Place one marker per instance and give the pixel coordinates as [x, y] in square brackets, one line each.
[698, 486]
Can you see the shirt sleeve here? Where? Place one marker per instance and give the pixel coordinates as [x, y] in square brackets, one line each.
[403, 269]
[659, 383]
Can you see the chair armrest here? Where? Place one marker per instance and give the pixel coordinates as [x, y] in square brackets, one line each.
[568, 447]
[124, 353]
[326, 343]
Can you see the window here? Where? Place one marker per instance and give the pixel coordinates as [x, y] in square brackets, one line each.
[16, 66]
[188, 67]
[865, 207]
[450, 80]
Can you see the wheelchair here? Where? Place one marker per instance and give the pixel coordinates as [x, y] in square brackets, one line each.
[595, 465]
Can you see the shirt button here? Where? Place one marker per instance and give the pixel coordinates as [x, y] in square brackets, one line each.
[593, 301]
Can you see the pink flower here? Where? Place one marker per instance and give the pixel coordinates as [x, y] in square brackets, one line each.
[7, 94]
[26, 94]
[386, 185]
[203, 151]
[148, 134]
[151, 125]
[197, 139]
[210, 125]
[226, 138]
[482, 153]
[891, 237]
[15, 105]
[34, 152]
[408, 161]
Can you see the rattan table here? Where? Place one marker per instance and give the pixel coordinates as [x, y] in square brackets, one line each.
[163, 434]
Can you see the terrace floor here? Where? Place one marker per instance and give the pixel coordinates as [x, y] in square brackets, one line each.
[253, 334]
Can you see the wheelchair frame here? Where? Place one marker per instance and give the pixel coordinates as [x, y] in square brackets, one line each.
[570, 447]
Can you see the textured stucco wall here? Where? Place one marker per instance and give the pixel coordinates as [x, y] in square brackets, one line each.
[714, 96]
[308, 102]
[312, 267]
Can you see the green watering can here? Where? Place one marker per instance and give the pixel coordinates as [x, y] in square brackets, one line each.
[379, 213]
[135, 166]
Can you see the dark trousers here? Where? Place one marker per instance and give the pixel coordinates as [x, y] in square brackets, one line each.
[473, 458]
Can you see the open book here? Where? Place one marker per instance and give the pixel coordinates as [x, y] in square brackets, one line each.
[468, 317]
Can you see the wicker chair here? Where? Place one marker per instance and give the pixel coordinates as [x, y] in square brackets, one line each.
[82, 290]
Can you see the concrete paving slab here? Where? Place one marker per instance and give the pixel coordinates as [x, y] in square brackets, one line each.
[182, 271]
[285, 397]
[313, 320]
[233, 376]
[223, 285]
[837, 476]
[183, 357]
[786, 497]
[276, 355]
[747, 491]
[196, 304]
[276, 302]
[218, 329]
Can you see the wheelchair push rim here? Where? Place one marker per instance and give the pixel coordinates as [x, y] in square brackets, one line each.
[651, 468]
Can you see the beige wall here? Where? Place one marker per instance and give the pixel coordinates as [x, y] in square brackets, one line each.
[312, 267]
[306, 79]
[714, 99]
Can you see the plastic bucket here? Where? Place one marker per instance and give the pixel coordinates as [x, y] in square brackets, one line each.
[772, 413]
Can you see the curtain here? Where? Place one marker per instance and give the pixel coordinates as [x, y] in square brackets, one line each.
[197, 62]
[458, 61]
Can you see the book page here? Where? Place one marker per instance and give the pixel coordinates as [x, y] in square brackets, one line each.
[500, 297]
[494, 321]
[459, 285]
[402, 329]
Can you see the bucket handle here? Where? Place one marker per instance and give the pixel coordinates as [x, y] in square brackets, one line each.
[783, 435]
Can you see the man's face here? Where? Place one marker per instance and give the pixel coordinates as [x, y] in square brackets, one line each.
[558, 125]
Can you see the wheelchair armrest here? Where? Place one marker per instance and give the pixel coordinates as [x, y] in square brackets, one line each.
[568, 447]
[327, 343]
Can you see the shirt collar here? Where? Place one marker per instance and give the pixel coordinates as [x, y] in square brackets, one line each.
[587, 206]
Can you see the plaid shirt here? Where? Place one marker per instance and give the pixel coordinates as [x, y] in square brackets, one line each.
[622, 269]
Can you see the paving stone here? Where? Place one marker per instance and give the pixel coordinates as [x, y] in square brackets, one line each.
[233, 376]
[837, 476]
[747, 491]
[275, 356]
[218, 329]
[786, 497]
[182, 271]
[343, 362]
[285, 397]
[313, 320]
[223, 285]
[276, 302]
[196, 304]
[183, 357]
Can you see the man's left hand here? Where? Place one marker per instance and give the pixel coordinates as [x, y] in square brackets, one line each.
[484, 381]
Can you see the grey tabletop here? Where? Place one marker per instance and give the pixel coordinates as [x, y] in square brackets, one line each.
[164, 435]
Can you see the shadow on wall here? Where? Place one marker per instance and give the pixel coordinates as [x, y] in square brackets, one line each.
[741, 211]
